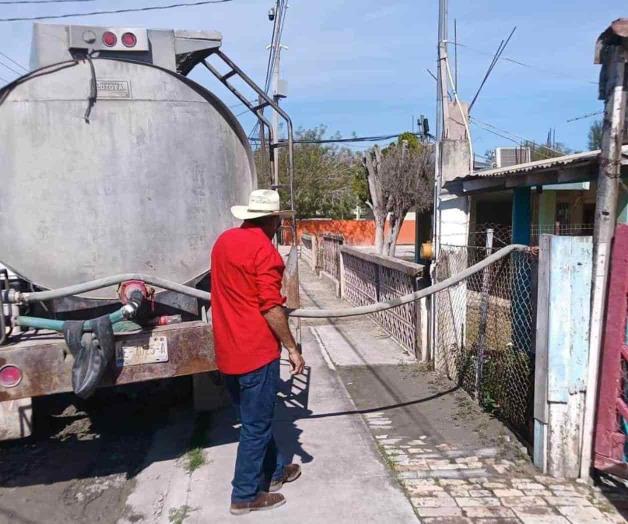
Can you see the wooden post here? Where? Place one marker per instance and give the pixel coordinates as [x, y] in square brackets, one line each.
[486, 282]
[614, 88]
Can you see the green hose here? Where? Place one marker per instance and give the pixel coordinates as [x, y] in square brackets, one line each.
[57, 325]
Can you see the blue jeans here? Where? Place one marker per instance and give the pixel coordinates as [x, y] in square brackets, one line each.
[259, 461]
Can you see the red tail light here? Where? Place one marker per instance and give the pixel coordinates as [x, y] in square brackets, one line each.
[109, 39]
[129, 40]
[10, 376]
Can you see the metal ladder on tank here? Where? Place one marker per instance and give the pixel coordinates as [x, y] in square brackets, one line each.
[292, 271]
[257, 109]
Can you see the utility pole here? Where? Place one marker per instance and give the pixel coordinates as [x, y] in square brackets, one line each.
[613, 55]
[277, 83]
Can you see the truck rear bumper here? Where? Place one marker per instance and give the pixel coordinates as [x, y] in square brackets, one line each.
[46, 363]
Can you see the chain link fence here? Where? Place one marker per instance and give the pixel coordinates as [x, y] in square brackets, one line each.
[485, 329]
[503, 232]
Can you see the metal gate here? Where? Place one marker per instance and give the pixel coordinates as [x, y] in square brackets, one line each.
[611, 430]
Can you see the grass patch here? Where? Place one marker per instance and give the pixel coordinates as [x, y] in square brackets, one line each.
[178, 515]
[194, 459]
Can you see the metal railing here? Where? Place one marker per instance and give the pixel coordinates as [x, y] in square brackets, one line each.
[484, 336]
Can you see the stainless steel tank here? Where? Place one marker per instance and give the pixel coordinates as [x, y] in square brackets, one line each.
[145, 186]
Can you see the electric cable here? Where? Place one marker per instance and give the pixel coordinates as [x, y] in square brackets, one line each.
[553, 72]
[521, 138]
[26, 2]
[588, 115]
[378, 138]
[13, 61]
[116, 11]
[19, 73]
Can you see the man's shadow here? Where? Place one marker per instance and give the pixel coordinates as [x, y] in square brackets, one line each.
[292, 405]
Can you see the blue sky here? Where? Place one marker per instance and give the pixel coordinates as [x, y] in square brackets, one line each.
[360, 65]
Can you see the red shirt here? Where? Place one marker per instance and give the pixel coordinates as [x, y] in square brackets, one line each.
[246, 276]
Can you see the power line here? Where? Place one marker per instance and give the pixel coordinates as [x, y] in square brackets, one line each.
[13, 61]
[18, 2]
[356, 139]
[10, 68]
[518, 142]
[588, 115]
[521, 138]
[560, 74]
[116, 11]
[4, 79]
[496, 58]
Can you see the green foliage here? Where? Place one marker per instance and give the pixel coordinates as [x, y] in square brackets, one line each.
[194, 459]
[326, 177]
[178, 515]
[595, 135]
[411, 139]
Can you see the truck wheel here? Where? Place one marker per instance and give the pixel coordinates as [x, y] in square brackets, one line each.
[210, 393]
[16, 418]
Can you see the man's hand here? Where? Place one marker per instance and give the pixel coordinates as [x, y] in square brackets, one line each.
[278, 321]
[296, 361]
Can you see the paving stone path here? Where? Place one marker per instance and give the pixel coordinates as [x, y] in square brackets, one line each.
[455, 463]
[450, 485]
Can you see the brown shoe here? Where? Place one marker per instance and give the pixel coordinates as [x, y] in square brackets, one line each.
[290, 472]
[262, 502]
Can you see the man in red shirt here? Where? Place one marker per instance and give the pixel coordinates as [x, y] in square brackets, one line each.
[250, 324]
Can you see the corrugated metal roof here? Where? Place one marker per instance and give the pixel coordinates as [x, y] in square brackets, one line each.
[540, 165]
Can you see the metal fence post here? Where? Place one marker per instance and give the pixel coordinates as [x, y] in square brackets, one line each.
[486, 283]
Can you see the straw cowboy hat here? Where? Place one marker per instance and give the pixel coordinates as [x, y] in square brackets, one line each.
[262, 203]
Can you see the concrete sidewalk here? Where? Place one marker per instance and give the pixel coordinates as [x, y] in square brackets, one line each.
[381, 440]
[458, 464]
[344, 477]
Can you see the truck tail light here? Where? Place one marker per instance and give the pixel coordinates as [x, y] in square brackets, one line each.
[10, 376]
[109, 38]
[129, 40]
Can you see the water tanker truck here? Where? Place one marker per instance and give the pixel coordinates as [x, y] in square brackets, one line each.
[117, 174]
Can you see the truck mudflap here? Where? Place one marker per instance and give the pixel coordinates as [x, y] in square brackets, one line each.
[162, 352]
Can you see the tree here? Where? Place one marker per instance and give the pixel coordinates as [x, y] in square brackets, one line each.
[399, 178]
[595, 135]
[324, 176]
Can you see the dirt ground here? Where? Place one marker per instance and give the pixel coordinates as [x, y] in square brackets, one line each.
[80, 464]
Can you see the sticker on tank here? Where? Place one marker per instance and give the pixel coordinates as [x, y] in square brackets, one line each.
[113, 88]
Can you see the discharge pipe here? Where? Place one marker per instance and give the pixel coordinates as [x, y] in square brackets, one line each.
[412, 297]
[296, 313]
[77, 289]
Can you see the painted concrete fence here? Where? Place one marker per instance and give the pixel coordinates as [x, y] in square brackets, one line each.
[362, 278]
[368, 278]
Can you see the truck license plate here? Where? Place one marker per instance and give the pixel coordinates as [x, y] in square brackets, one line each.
[155, 351]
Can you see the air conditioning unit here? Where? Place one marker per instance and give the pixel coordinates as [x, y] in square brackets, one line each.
[511, 156]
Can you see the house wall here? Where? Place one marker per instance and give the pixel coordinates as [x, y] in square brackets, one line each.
[355, 232]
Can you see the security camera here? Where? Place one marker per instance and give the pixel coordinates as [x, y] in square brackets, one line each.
[271, 14]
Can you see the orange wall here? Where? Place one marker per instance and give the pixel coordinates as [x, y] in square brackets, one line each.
[355, 232]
